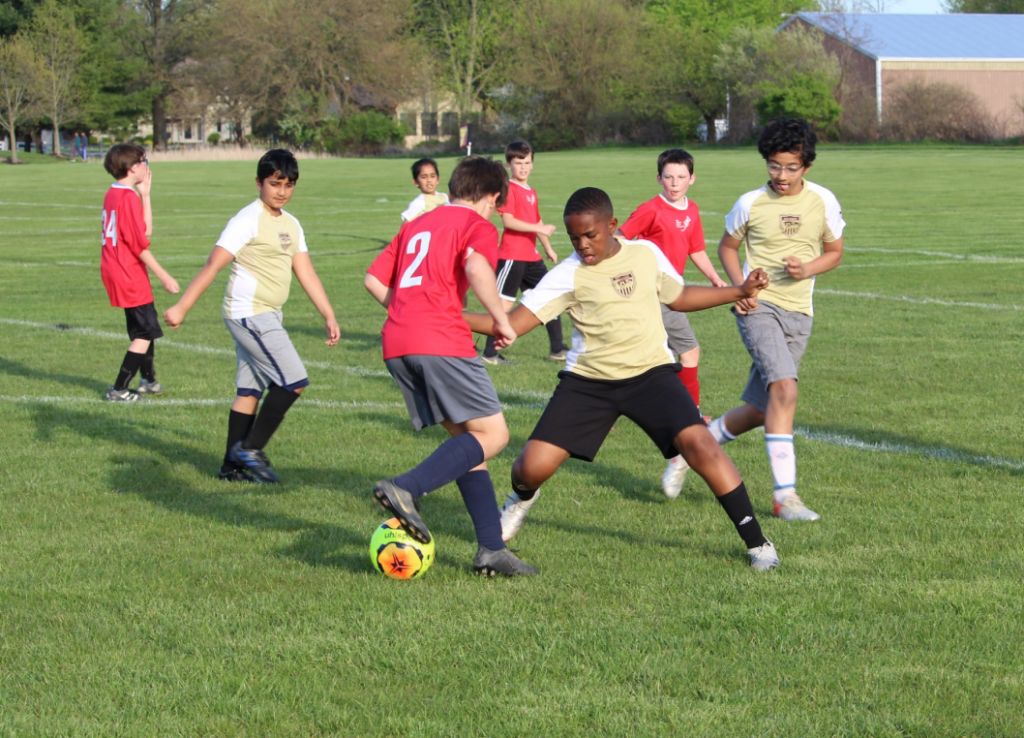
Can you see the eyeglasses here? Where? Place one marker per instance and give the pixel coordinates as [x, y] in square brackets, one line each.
[778, 169]
[146, 162]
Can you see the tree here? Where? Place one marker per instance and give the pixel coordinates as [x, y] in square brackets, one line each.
[14, 15]
[59, 49]
[19, 76]
[985, 6]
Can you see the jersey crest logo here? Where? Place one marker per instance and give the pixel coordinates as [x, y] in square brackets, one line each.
[531, 199]
[624, 284]
[286, 240]
[682, 226]
[789, 224]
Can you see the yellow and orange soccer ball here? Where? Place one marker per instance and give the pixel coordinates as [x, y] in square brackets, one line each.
[398, 555]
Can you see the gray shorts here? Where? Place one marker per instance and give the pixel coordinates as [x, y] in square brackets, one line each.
[265, 355]
[776, 340]
[680, 334]
[439, 388]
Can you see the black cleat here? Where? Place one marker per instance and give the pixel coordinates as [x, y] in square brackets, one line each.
[401, 504]
[236, 474]
[490, 563]
[255, 462]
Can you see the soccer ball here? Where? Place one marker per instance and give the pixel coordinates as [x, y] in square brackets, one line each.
[397, 554]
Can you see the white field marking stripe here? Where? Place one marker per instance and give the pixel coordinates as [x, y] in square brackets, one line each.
[356, 370]
[932, 452]
[50, 264]
[901, 264]
[942, 255]
[47, 204]
[314, 403]
[198, 258]
[918, 300]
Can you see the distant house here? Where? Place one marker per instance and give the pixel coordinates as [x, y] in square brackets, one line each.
[431, 115]
[984, 53]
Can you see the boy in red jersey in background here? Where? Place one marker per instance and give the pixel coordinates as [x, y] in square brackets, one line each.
[672, 222]
[519, 265]
[127, 226]
[422, 278]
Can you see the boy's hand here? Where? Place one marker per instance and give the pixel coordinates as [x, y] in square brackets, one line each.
[173, 316]
[504, 334]
[170, 285]
[552, 256]
[546, 229]
[794, 267]
[756, 281]
[719, 282]
[333, 332]
[144, 186]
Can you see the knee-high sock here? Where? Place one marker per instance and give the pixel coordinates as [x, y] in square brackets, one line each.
[130, 365]
[489, 349]
[146, 370]
[555, 339]
[451, 460]
[239, 425]
[478, 493]
[271, 414]
[782, 457]
[688, 376]
[737, 506]
[720, 432]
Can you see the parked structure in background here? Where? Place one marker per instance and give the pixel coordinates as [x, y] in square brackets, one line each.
[983, 54]
[432, 115]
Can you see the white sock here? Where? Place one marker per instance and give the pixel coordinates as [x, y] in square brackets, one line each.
[782, 457]
[720, 432]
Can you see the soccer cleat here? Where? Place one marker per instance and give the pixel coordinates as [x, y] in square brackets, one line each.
[403, 506]
[254, 461]
[792, 508]
[491, 563]
[557, 355]
[764, 557]
[497, 360]
[513, 513]
[125, 395]
[150, 388]
[236, 474]
[673, 476]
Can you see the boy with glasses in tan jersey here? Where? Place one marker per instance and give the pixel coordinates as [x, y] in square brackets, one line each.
[793, 229]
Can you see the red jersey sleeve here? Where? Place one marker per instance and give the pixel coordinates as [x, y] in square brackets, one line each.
[509, 207]
[383, 267]
[483, 239]
[639, 223]
[131, 224]
[697, 242]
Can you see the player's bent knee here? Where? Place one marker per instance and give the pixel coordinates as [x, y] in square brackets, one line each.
[699, 448]
[783, 392]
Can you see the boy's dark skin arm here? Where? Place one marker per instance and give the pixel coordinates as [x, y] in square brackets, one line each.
[701, 298]
[521, 319]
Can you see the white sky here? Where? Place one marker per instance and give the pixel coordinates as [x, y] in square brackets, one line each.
[917, 6]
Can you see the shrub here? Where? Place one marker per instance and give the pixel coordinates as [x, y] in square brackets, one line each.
[801, 96]
[683, 120]
[364, 132]
[213, 138]
[940, 111]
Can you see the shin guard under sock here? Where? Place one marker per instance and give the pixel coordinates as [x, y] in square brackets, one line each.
[239, 425]
[478, 495]
[489, 350]
[688, 376]
[271, 413]
[130, 365]
[782, 458]
[146, 370]
[737, 506]
[451, 460]
[555, 338]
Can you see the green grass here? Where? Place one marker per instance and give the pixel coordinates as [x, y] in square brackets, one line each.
[139, 596]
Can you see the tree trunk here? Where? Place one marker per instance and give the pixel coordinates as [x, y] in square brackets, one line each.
[37, 139]
[14, 145]
[56, 138]
[709, 121]
[160, 122]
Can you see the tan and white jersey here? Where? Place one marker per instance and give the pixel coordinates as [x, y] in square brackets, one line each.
[775, 226]
[423, 204]
[615, 308]
[261, 273]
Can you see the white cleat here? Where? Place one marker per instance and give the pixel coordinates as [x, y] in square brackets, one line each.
[792, 508]
[764, 557]
[513, 513]
[672, 479]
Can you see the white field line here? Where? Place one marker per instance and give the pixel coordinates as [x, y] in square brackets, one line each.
[198, 259]
[307, 402]
[902, 264]
[942, 255]
[918, 300]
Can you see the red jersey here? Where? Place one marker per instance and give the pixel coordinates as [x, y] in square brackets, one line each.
[522, 205]
[677, 231]
[425, 266]
[124, 238]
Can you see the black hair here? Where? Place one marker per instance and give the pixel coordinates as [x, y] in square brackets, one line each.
[278, 161]
[122, 157]
[675, 156]
[518, 150]
[417, 166]
[589, 200]
[789, 136]
[476, 177]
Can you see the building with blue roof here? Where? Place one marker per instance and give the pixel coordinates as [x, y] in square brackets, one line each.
[981, 52]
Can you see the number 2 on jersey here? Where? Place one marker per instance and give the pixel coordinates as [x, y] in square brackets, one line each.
[109, 228]
[419, 245]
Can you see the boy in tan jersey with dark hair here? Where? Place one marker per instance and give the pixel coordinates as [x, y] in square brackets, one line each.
[619, 365]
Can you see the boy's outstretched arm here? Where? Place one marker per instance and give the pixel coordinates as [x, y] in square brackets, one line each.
[166, 280]
[703, 263]
[302, 265]
[218, 259]
[702, 298]
[481, 279]
[521, 319]
[513, 223]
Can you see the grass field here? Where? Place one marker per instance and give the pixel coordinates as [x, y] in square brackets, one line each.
[141, 597]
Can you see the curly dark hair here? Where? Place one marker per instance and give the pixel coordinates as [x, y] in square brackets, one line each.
[589, 200]
[790, 136]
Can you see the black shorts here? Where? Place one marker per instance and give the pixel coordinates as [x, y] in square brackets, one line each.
[582, 411]
[514, 276]
[143, 323]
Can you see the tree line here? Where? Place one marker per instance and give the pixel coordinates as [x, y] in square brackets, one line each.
[327, 74]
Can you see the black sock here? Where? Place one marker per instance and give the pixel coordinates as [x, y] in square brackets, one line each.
[129, 366]
[521, 489]
[554, 329]
[478, 494]
[147, 364]
[741, 513]
[275, 405]
[239, 425]
[489, 350]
